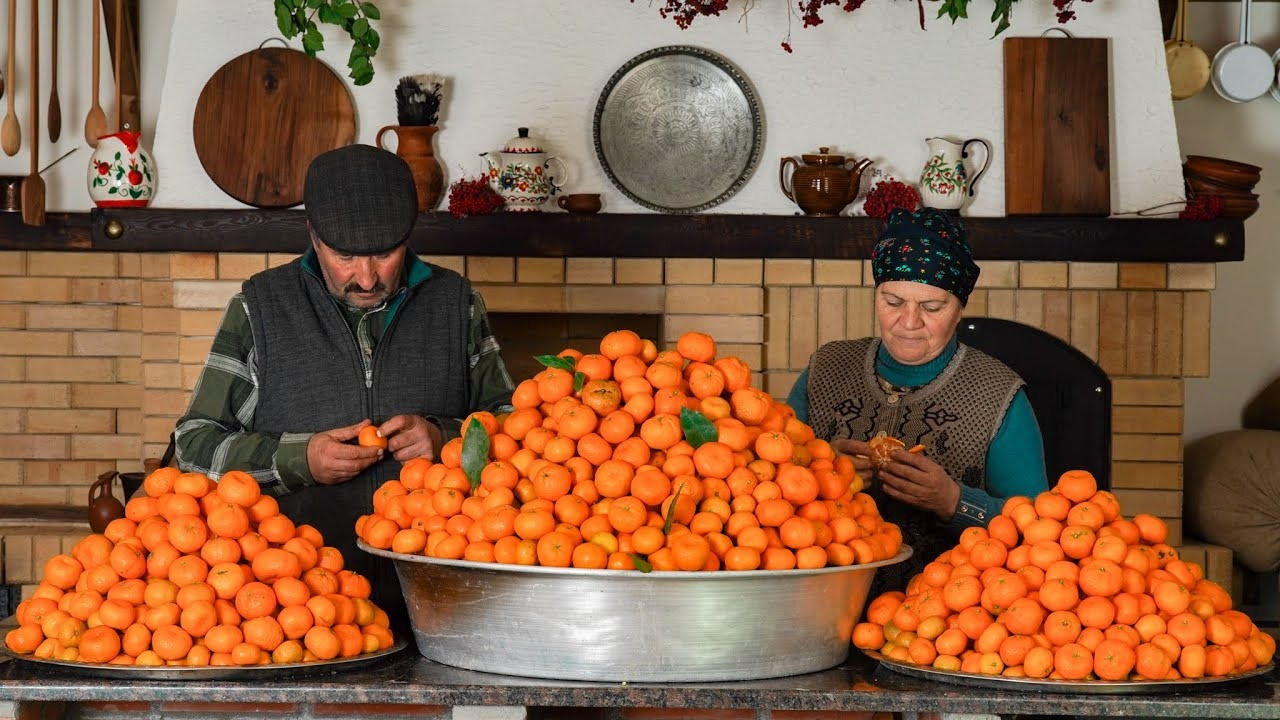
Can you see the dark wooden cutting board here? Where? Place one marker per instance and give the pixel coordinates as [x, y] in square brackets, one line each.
[261, 119]
[1057, 128]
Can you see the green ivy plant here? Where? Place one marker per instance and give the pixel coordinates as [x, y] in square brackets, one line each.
[298, 17]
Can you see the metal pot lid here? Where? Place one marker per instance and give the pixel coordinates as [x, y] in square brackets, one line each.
[522, 143]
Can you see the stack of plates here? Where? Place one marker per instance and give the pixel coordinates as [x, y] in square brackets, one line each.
[1232, 181]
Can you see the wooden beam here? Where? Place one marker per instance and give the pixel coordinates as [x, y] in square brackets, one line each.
[636, 235]
[130, 111]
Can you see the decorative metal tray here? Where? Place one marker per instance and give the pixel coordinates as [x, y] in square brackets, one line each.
[209, 672]
[1086, 687]
[678, 129]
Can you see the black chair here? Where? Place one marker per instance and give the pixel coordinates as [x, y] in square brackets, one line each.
[1070, 394]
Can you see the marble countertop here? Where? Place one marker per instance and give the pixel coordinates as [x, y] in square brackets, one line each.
[858, 684]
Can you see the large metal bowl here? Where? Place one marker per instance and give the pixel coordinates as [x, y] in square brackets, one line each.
[628, 626]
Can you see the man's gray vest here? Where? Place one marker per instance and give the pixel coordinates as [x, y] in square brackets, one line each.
[955, 417]
[311, 379]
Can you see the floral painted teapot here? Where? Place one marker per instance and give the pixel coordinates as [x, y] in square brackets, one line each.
[521, 173]
[121, 173]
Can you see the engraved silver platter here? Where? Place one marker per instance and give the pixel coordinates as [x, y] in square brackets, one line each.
[678, 129]
[1075, 687]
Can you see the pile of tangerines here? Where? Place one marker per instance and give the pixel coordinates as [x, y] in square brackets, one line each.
[1062, 586]
[198, 573]
[632, 458]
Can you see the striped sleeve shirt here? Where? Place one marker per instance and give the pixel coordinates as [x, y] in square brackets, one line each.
[217, 432]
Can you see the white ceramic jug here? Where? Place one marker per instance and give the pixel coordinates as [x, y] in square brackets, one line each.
[945, 183]
[121, 173]
[521, 173]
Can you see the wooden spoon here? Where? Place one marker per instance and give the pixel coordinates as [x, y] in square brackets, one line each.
[116, 63]
[10, 131]
[33, 184]
[95, 123]
[55, 107]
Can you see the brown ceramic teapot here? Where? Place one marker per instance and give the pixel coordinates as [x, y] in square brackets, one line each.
[823, 185]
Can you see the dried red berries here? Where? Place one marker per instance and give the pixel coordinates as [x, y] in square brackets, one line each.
[473, 197]
[889, 194]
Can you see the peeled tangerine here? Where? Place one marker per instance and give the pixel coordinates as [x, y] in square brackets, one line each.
[596, 471]
[1063, 587]
[200, 572]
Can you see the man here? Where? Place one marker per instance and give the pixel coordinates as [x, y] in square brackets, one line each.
[357, 331]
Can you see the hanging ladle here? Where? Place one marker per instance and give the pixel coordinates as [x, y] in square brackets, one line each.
[10, 130]
[95, 123]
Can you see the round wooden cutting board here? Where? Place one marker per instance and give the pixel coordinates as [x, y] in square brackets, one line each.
[263, 117]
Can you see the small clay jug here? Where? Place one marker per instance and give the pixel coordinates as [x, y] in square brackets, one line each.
[413, 145]
[103, 505]
[823, 185]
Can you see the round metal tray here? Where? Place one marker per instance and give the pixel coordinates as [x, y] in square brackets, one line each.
[678, 129]
[1086, 687]
[209, 672]
[629, 626]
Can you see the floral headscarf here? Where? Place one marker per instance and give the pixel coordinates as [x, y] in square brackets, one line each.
[925, 246]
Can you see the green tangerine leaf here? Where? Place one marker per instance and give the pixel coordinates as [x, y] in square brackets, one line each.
[359, 28]
[642, 564]
[670, 519]
[555, 361]
[371, 11]
[698, 430]
[475, 451]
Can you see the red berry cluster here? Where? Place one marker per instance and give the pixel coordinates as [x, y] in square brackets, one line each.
[809, 9]
[473, 197]
[1065, 13]
[685, 11]
[1202, 207]
[890, 194]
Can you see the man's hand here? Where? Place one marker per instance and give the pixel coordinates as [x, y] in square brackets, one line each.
[411, 436]
[333, 459]
[921, 482]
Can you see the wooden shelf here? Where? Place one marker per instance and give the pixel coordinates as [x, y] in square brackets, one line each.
[639, 235]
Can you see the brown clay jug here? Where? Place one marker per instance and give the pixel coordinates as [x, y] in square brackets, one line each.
[103, 506]
[823, 185]
[414, 147]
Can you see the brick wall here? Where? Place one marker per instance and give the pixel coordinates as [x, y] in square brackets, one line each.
[99, 351]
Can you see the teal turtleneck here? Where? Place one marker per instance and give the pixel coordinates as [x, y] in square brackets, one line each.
[1015, 458]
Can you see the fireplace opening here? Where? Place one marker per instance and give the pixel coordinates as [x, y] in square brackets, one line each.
[523, 336]
[1070, 394]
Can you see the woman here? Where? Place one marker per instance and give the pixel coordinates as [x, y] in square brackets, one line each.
[916, 382]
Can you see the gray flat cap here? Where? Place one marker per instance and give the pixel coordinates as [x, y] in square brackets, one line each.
[360, 200]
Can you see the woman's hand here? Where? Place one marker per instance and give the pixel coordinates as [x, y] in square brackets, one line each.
[857, 451]
[918, 481]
